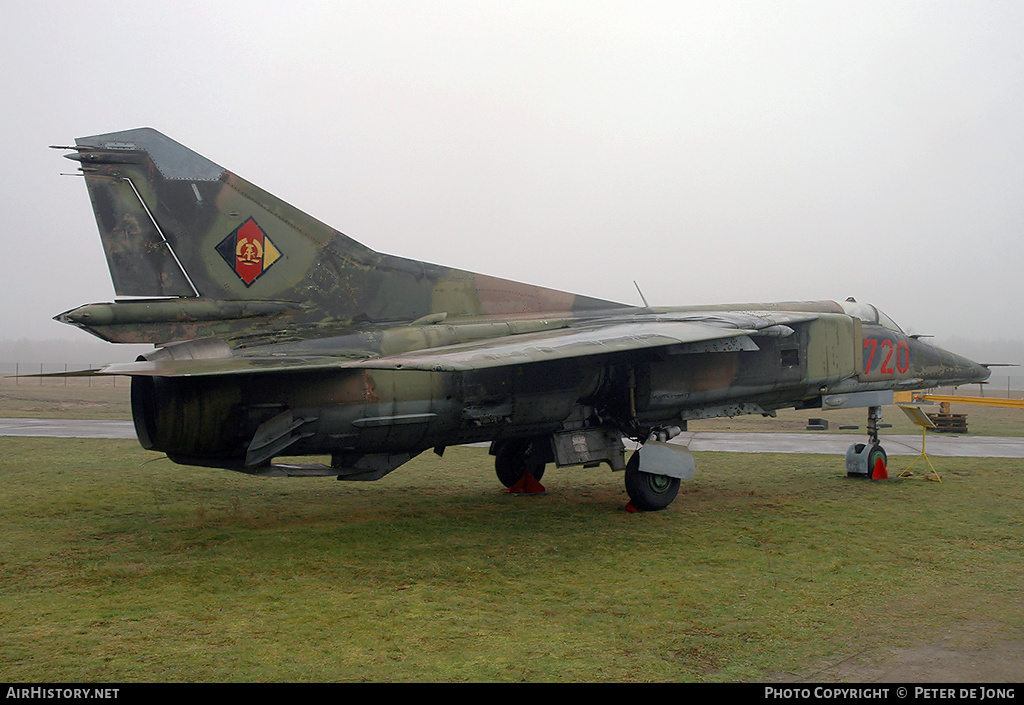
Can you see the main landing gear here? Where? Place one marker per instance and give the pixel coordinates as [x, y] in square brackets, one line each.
[652, 474]
[520, 464]
[868, 459]
[655, 469]
[648, 492]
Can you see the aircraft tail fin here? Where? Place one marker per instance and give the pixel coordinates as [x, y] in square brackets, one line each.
[175, 224]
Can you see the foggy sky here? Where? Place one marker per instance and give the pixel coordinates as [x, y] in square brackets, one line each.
[711, 151]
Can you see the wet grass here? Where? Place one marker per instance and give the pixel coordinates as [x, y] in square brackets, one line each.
[118, 567]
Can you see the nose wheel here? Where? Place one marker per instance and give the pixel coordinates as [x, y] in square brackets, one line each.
[868, 459]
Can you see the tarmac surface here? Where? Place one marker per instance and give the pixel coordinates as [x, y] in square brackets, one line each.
[67, 428]
[821, 443]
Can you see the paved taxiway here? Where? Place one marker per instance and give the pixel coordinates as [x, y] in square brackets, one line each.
[824, 443]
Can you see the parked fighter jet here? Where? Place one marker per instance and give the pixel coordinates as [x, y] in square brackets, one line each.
[279, 336]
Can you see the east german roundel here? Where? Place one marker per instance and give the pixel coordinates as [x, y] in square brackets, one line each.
[248, 251]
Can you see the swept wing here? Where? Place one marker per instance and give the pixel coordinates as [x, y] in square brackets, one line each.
[695, 333]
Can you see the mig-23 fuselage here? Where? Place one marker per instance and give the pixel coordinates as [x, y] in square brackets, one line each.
[279, 336]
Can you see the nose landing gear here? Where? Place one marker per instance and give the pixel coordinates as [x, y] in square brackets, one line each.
[868, 459]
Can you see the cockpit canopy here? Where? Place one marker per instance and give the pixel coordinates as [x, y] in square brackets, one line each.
[869, 314]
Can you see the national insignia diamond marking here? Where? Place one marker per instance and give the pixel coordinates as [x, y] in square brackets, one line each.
[248, 251]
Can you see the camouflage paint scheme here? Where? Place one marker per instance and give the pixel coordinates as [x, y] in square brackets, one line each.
[280, 336]
[322, 279]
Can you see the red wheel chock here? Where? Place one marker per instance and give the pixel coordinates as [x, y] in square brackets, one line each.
[879, 472]
[526, 485]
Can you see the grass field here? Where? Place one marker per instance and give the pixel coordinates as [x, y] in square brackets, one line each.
[70, 398]
[117, 567]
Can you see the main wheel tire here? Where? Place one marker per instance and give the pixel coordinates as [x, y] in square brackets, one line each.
[512, 461]
[648, 492]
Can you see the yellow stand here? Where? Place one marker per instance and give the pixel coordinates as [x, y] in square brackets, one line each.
[915, 414]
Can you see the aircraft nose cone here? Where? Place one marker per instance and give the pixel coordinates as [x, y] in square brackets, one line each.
[969, 370]
[980, 372]
[947, 368]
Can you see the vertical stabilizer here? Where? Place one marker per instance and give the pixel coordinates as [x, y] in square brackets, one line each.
[175, 224]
